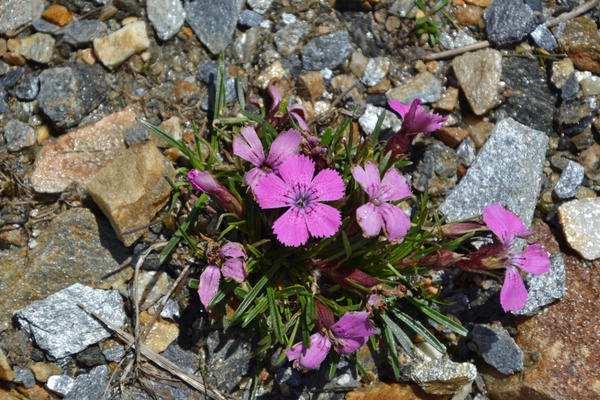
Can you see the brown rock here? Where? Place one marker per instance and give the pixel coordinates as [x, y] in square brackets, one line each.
[58, 15]
[392, 23]
[161, 335]
[452, 136]
[480, 3]
[117, 47]
[581, 43]
[590, 159]
[132, 189]
[14, 58]
[381, 87]
[479, 74]
[171, 127]
[391, 391]
[35, 393]
[184, 89]
[561, 345]
[78, 155]
[6, 372]
[43, 371]
[341, 83]
[448, 100]
[275, 70]
[311, 84]
[479, 129]
[468, 15]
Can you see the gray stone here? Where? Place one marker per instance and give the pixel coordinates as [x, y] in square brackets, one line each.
[580, 221]
[455, 39]
[287, 18]
[441, 376]
[402, 8]
[570, 180]
[288, 38]
[16, 13]
[327, 51]
[90, 386]
[28, 88]
[43, 26]
[71, 91]
[508, 21]
[60, 384]
[90, 357]
[368, 120]
[375, 71]
[38, 47]
[478, 74]
[137, 134]
[170, 311]
[544, 38]
[4, 67]
[346, 377]
[213, 22]
[61, 328]
[531, 102]
[466, 152]
[260, 6]
[508, 170]
[250, 18]
[82, 32]
[114, 352]
[498, 349]
[18, 135]
[24, 376]
[167, 17]
[544, 288]
[436, 171]
[11, 77]
[424, 86]
[227, 358]
[244, 46]
[570, 89]
[573, 116]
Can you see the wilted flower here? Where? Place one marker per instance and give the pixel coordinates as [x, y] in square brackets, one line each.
[232, 257]
[507, 227]
[249, 147]
[296, 111]
[347, 335]
[415, 119]
[205, 182]
[295, 188]
[377, 213]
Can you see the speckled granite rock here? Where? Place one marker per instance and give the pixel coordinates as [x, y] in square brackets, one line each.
[479, 76]
[213, 23]
[580, 220]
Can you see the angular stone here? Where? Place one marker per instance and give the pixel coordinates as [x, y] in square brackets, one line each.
[161, 335]
[562, 71]
[83, 32]
[43, 26]
[28, 88]
[60, 384]
[152, 286]
[436, 170]
[70, 92]
[260, 6]
[327, 51]
[132, 189]
[114, 49]
[561, 345]
[478, 74]
[311, 83]
[468, 15]
[171, 127]
[24, 376]
[581, 43]
[60, 327]
[389, 391]
[275, 70]
[90, 386]
[43, 371]
[580, 220]
[442, 376]
[16, 13]
[288, 37]
[375, 71]
[250, 18]
[244, 46]
[18, 135]
[424, 86]
[448, 100]
[78, 155]
[570, 180]
[368, 120]
[6, 372]
[167, 17]
[544, 38]
[451, 135]
[213, 22]
[498, 349]
[508, 21]
[508, 170]
[37, 47]
[58, 15]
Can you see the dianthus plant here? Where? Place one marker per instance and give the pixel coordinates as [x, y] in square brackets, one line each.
[314, 237]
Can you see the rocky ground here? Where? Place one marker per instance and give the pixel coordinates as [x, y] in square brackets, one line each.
[78, 176]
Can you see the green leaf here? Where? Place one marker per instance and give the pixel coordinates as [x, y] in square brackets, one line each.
[327, 137]
[275, 316]
[437, 317]
[389, 339]
[255, 311]
[419, 329]
[252, 294]
[402, 337]
[347, 246]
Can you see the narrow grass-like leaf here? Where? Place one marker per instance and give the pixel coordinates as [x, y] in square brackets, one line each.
[255, 311]
[418, 328]
[275, 316]
[347, 246]
[179, 146]
[437, 317]
[398, 333]
[391, 343]
[252, 294]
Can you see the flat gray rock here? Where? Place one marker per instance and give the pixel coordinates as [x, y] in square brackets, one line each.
[62, 328]
[18, 135]
[83, 32]
[327, 51]
[213, 22]
[16, 13]
[544, 288]
[570, 180]
[580, 221]
[498, 349]
[90, 386]
[424, 86]
[508, 21]
[167, 17]
[508, 170]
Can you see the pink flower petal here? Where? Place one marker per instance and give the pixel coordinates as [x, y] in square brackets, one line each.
[253, 176]
[426, 122]
[369, 219]
[322, 220]
[299, 113]
[233, 250]
[204, 181]
[275, 97]
[396, 222]
[503, 223]
[249, 146]
[534, 260]
[393, 186]
[352, 330]
[367, 178]
[285, 145]
[400, 108]
[290, 228]
[513, 294]
[209, 284]
[272, 192]
[310, 357]
[328, 185]
[297, 171]
[234, 268]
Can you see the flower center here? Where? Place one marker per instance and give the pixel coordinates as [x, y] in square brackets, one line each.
[303, 196]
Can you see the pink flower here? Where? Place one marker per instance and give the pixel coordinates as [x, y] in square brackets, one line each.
[377, 213]
[249, 147]
[296, 111]
[415, 119]
[295, 188]
[204, 181]
[347, 335]
[232, 257]
[507, 227]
